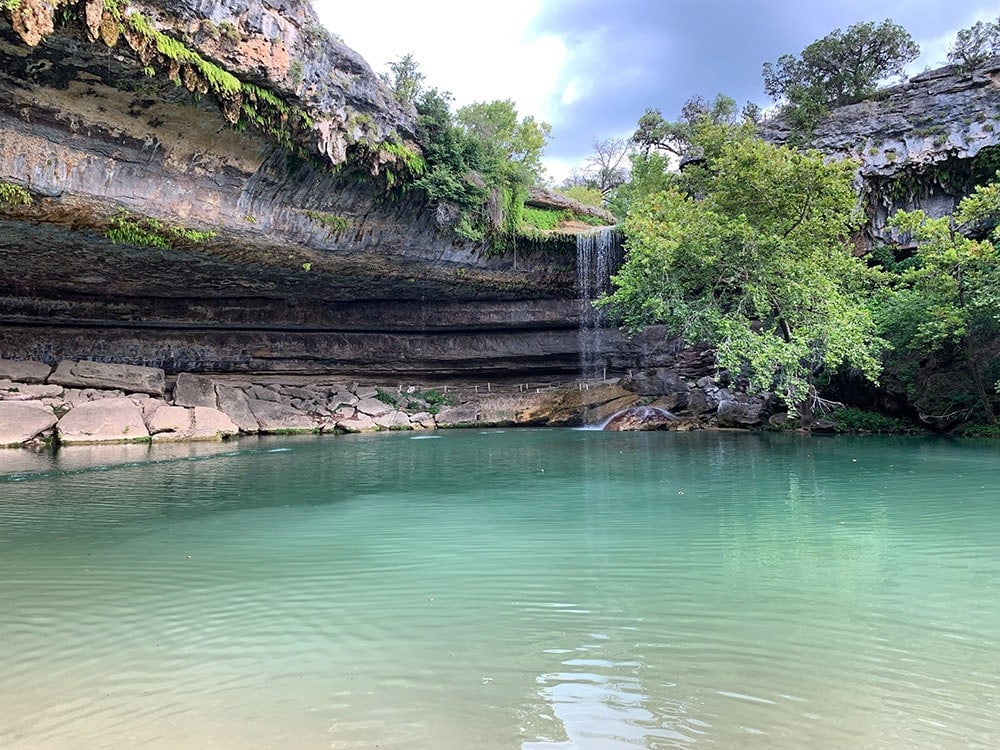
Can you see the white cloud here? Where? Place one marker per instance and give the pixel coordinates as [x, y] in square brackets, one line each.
[476, 52]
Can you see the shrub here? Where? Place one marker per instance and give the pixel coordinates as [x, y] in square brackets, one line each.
[859, 420]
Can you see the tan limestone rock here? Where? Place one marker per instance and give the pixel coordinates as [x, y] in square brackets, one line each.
[23, 421]
[106, 421]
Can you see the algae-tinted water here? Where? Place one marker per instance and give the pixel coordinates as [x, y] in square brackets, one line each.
[520, 589]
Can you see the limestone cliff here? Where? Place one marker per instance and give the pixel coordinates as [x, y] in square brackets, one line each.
[918, 145]
[209, 185]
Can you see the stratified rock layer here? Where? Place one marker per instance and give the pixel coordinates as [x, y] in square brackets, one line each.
[305, 269]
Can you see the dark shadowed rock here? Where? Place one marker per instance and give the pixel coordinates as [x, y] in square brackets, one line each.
[739, 414]
[23, 421]
[656, 382]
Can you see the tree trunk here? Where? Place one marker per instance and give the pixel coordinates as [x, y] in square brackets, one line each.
[977, 377]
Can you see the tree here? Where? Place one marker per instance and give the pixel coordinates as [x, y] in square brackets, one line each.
[840, 68]
[946, 302]
[975, 45]
[603, 171]
[758, 266]
[606, 166]
[654, 133]
[405, 79]
[520, 142]
[662, 146]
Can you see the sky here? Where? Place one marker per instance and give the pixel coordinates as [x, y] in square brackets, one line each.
[590, 68]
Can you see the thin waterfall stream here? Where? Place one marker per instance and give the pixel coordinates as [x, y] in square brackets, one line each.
[599, 254]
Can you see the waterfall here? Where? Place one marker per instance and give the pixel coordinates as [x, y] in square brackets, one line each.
[599, 254]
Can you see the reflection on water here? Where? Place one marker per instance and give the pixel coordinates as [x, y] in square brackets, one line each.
[533, 589]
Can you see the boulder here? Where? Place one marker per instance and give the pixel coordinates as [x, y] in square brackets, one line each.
[656, 382]
[278, 418]
[21, 422]
[151, 380]
[423, 420]
[260, 393]
[641, 418]
[464, 415]
[19, 391]
[357, 423]
[175, 423]
[168, 419]
[395, 420]
[739, 414]
[212, 424]
[374, 408]
[111, 420]
[148, 406]
[234, 404]
[24, 371]
[194, 390]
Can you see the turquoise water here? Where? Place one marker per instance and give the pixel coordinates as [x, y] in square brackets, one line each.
[521, 589]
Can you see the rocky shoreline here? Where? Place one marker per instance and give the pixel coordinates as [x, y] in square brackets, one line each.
[84, 402]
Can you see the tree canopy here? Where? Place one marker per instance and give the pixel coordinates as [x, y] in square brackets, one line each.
[405, 79]
[840, 68]
[519, 141]
[756, 263]
[480, 160]
[975, 45]
[945, 302]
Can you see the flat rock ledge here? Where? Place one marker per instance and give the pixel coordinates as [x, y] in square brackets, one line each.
[95, 402]
[92, 402]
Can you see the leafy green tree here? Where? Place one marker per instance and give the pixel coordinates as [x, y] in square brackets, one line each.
[691, 141]
[975, 45]
[946, 303]
[405, 79]
[519, 141]
[480, 163]
[840, 68]
[654, 133]
[758, 265]
[650, 173]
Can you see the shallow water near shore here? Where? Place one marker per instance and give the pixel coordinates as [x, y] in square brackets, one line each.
[533, 589]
